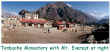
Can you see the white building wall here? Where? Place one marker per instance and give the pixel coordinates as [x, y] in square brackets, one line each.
[47, 26]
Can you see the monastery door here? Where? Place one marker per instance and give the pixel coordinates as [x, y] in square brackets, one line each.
[42, 25]
[36, 25]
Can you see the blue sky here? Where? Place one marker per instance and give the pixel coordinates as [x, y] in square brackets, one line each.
[99, 9]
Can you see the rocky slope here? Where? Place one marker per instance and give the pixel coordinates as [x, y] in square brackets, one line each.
[63, 11]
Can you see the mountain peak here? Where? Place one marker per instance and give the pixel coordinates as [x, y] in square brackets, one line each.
[62, 11]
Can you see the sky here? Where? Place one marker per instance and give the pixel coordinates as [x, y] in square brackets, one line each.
[96, 9]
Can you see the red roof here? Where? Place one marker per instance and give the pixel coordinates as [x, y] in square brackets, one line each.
[59, 22]
[73, 23]
[68, 22]
[33, 21]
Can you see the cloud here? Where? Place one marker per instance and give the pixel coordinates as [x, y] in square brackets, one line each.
[98, 15]
[8, 13]
[14, 13]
